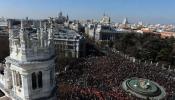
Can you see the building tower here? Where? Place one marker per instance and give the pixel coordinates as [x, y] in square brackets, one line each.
[67, 18]
[31, 65]
[105, 20]
[125, 21]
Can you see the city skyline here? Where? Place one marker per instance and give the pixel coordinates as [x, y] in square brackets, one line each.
[148, 11]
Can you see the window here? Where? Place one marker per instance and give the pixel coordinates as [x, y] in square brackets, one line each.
[17, 79]
[40, 83]
[34, 84]
[20, 81]
[37, 81]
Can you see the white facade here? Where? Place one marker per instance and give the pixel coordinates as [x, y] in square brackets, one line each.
[101, 32]
[30, 69]
[125, 21]
[105, 20]
[90, 30]
[68, 43]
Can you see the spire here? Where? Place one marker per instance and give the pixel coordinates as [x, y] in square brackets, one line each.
[23, 36]
[125, 21]
[41, 29]
[51, 25]
[9, 24]
[50, 35]
[22, 29]
[45, 26]
[40, 24]
[67, 19]
[38, 33]
[22, 24]
[10, 29]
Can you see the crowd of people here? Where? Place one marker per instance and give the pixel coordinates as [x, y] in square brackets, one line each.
[100, 78]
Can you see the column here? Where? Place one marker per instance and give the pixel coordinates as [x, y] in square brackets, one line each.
[13, 81]
[46, 80]
[8, 76]
[25, 87]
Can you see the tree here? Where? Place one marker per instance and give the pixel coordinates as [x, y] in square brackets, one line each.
[163, 55]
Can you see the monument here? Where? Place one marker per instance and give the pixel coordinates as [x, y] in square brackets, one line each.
[144, 88]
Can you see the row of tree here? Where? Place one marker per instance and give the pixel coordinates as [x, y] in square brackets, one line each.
[148, 46]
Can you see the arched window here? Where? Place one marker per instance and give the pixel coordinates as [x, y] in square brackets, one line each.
[34, 82]
[20, 81]
[40, 81]
[14, 75]
[17, 78]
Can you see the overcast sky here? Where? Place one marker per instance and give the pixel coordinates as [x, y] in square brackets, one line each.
[149, 11]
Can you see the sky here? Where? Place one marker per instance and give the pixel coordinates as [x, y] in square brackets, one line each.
[148, 11]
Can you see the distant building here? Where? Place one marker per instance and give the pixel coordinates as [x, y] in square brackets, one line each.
[105, 32]
[69, 43]
[101, 32]
[125, 24]
[167, 34]
[90, 30]
[147, 30]
[3, 26]
[76, 25]
[3, 22]
[61, 19]
[105, 20]
[125, 21]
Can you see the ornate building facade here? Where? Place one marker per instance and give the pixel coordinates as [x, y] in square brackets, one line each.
[29, 71]
[69, 44]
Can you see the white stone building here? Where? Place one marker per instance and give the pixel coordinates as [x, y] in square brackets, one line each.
[101, 32]
[69, 43]
[29, 71]
[61, 19]
[105, 20]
